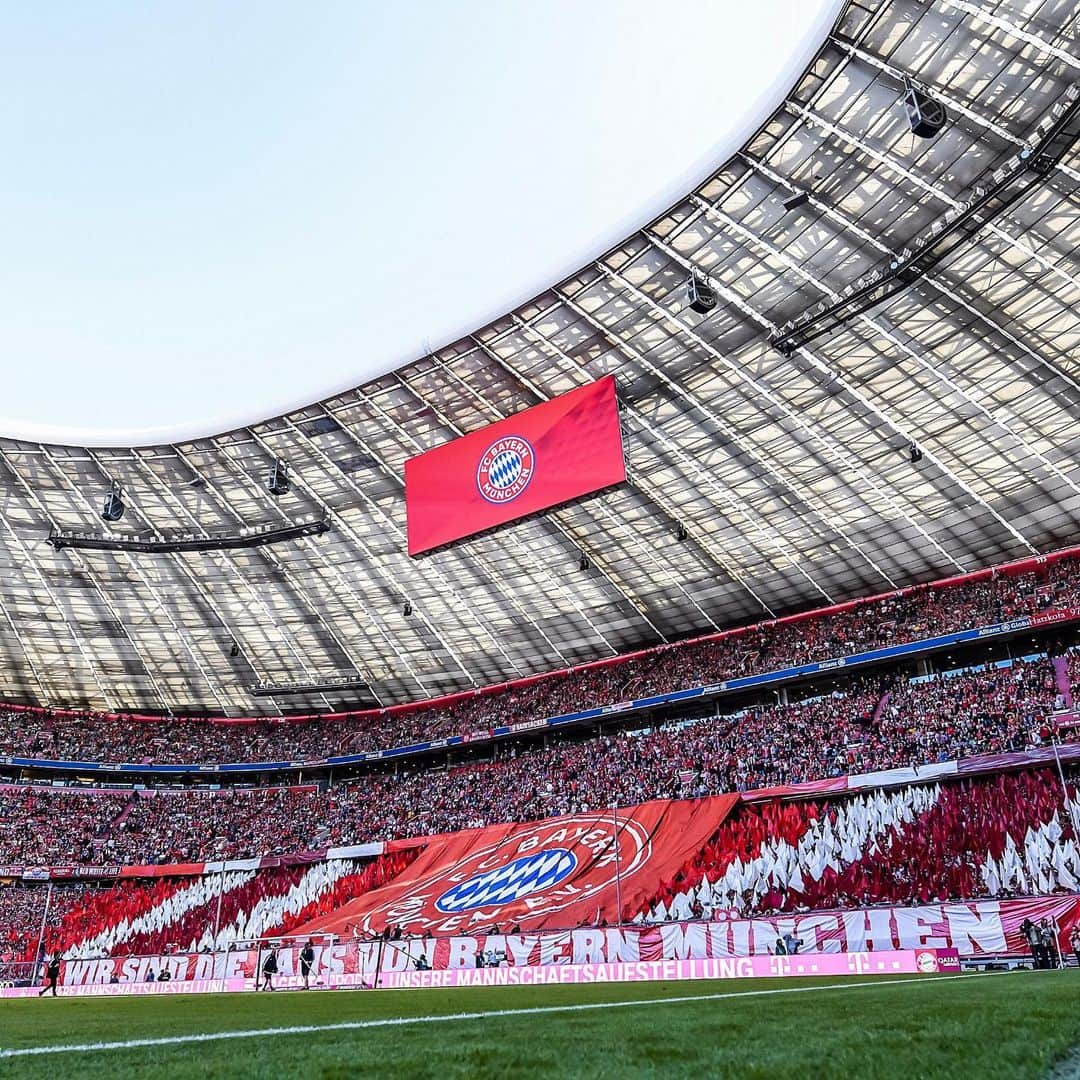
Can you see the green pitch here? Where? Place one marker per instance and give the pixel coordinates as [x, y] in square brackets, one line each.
[1016, 1025]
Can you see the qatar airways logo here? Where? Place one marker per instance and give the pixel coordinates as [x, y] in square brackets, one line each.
[528, 874]
[506, 469]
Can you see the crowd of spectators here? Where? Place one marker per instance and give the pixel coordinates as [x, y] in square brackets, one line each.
[196, 826]
[919, 613]
[933, 720]
[22, 909]
[988, 710]
[877, 724]
[1073, 676]
[42, 826]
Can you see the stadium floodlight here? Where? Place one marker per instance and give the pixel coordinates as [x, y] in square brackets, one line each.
[793, 202]
[681, 534]
[583, 562]
[914, 453]
[407, 609]
[113, 510]
[925, 115]
[235, 650]
[277, 483]
[701, 294]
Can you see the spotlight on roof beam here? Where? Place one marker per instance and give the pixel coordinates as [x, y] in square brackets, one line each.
[681, 534]
[113, 510]
[277, 483]
[793, 202]
[925, 115]
[407, 609]
[235, 650]
[701, 295]
[914, 453]
[583, 562]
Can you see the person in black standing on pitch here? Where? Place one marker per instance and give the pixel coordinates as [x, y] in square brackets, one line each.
[52, 976]
[1034, 940]
[1050, 944]
[269, 969]
[307, 962]
[1038, 947]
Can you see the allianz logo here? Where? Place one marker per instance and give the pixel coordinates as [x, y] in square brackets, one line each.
[505, 884]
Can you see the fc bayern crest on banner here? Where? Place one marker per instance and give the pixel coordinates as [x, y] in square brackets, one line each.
[539, 869]
[505, 884]
[506, 468]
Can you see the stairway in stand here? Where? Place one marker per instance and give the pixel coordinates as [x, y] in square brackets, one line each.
[1061, 678]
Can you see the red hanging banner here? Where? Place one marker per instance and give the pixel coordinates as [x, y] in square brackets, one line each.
[560, 450]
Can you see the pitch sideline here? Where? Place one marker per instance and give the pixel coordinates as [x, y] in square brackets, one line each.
[398, 1021]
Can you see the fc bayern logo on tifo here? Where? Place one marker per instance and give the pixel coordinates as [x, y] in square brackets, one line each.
[538, 870]
[506, 469]
[503, 884]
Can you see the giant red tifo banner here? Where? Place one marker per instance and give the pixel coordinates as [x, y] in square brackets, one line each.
[559, 872]
[554, 452]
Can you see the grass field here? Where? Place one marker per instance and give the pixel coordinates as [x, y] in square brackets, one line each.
[1015, 1025]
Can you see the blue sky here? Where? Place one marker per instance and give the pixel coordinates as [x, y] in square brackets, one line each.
[215, 212]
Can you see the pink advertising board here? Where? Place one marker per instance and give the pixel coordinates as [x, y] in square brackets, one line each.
[905, 962]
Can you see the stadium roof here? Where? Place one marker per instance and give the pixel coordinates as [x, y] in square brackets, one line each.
[782, 446]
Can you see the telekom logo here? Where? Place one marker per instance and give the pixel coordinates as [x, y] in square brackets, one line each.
[858, 963]
[779, 965]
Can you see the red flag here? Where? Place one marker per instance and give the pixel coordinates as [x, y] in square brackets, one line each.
[554, 452]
